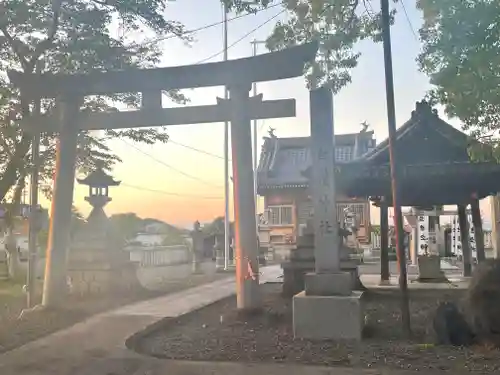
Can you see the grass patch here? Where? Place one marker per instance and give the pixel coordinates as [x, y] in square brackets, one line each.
[10, 290]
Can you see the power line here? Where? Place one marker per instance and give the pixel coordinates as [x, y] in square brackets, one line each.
[169, 192]
[200, 62]
[196, 149]
[243, 37]
[202, 28]
[169, 166]
[409, 21]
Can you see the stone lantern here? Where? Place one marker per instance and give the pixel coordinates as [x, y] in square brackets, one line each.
[98, 182]
[97, 261]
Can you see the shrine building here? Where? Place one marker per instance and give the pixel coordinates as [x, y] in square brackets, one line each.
[435, 169]
[284, 183]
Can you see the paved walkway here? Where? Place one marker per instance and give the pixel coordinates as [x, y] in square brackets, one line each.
[97, 345]
[103, 336]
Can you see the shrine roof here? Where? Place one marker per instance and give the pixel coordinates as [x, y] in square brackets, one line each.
[285, 162]
[432, 154]
[98, 178]
[425, 138]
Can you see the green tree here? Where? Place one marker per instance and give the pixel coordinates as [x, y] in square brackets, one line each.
[461, 55]
[215, 227]
[337, 25]
[76, 36]
[127, 224]
[375, 229]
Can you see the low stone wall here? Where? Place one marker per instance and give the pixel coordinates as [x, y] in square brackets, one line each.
[150, 277]
[153, 277]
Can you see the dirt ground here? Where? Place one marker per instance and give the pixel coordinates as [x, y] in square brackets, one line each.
[15, 332]
[218, 333]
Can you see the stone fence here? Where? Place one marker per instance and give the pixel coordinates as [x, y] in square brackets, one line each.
[156, 256]
[375, 243]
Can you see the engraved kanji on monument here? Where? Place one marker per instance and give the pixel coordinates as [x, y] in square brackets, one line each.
[328, 278]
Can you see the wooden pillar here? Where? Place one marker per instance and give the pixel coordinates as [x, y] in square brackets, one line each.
[464, 236]
[478, 230]
[245, 225]
[384, 241]
[55, 283]
[495, 224]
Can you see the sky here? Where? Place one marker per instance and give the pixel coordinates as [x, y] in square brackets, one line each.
[151, 183]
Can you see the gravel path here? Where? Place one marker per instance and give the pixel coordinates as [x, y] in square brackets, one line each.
[15, 332]
[219, 333]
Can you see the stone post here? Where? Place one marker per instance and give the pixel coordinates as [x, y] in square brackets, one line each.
[219, 252]
[197, 250]
[246, 247]
[55, 283]
[328, 308]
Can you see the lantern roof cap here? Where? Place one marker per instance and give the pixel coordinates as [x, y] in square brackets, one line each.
[98, 178]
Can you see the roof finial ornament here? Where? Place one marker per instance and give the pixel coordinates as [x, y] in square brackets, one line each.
[271, 132]
[364, 126]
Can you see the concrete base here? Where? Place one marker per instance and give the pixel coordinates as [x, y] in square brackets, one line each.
[328, 317]
[328, 284]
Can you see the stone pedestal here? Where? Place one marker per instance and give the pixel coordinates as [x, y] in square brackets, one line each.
[97, 263]
[429, 268]
[302, 261]
[328, 317]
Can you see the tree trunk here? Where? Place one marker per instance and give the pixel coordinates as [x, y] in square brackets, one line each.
[10, 175]
[12, 254]
[10, 237]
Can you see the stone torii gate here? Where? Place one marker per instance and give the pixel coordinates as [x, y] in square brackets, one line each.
[237, 75]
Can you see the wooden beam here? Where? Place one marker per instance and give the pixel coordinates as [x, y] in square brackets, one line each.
[163, 116]
[287, 63]
[464, 238]
[477, 223]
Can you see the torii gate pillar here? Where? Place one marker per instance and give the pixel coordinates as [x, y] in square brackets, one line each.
[246, 254]
[54, 286]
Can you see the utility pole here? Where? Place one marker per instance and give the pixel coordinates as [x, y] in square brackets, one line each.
[227, 239]
[33, 218]
[255, 138]
[391, 119]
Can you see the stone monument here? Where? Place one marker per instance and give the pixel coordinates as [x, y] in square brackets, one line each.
[97, 262]
[197, 247]
[328, 308]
